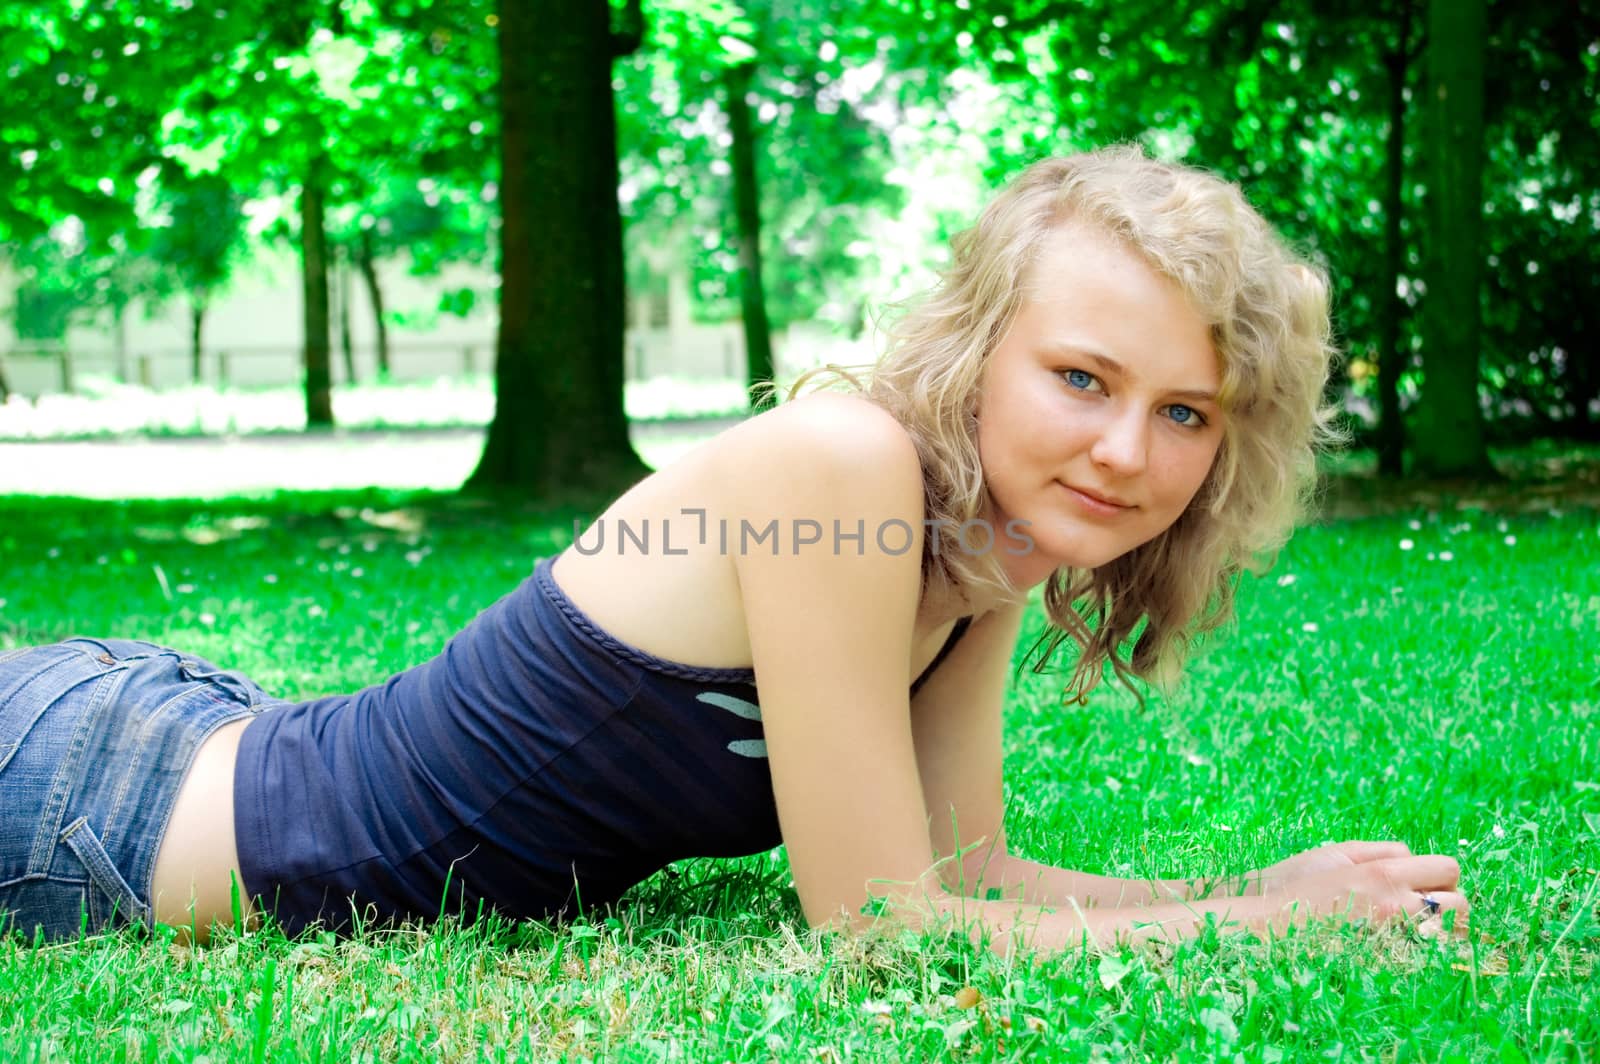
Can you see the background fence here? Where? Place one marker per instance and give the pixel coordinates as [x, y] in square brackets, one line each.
[700, 351]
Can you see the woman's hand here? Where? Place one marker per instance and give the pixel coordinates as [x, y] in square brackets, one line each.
[1328, 858]
[1419, 889]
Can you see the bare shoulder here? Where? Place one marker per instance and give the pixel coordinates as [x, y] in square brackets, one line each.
[823, 425]
[837, 445]
[681, 534]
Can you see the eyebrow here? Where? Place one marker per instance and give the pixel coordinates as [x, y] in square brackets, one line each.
[1111, 365]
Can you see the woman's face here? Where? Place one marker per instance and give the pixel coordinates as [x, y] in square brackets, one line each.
[1104, 388]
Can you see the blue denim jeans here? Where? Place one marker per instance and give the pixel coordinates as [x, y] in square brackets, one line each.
[96, 736]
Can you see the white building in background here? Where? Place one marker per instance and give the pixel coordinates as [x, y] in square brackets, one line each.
[252, 334]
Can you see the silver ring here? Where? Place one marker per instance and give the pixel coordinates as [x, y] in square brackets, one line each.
[1430, 904]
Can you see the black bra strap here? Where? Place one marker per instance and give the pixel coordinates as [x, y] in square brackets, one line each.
[949, 644]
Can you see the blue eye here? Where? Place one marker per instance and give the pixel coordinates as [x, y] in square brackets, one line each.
[1191, 416]
[1079, 378]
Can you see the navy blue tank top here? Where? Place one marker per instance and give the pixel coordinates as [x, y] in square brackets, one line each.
[535, 766]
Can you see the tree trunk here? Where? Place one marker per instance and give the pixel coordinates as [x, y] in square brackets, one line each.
[367, 260]
[747, 208]
[1449, 436]
[197, 319]
[342, 269]
[119, 316]
[1391, 358]
[314, 274]
[1583, 386]
[559, 429]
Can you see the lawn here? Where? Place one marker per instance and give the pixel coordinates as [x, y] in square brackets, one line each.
[1431, 674]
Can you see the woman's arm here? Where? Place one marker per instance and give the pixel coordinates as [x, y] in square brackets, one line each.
[957, 727]
[830, 633]
[1019, 879]
[1418, 889]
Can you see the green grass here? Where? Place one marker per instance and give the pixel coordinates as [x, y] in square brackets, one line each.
[1450, 703]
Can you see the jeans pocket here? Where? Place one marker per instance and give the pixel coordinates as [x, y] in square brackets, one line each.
[113, 898]
[235, 687]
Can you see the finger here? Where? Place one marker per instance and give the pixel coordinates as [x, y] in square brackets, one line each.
[1362, 852]
[1431, 904]
[1453, 915]
[1430, 872]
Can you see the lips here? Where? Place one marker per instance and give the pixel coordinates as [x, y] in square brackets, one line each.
[1096, 506]
[1104, 500]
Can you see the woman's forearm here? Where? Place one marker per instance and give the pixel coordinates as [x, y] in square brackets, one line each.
[1003, 926]
[1016, 879]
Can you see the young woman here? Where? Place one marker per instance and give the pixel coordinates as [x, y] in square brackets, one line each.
[799, 632]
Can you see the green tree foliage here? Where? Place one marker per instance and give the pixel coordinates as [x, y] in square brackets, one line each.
[45, 295]
[295, 102]
[389, 114]
[79, 121]
[822, 164]
[326, 101]
[196, 238]
[1542, 220]
[428, 221]
[77, 139]
[1316, 109]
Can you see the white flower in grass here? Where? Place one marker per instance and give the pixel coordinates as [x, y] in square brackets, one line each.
[270, 578]
[1406, 544]
[1309, 626]
[1446, 556]
[1286, 579]
[1414, 525]
[208, 619]
[1511, 541]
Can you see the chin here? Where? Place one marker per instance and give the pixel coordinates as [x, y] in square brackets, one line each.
[1068, 555]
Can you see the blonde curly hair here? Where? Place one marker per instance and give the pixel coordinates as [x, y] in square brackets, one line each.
[1268, 314]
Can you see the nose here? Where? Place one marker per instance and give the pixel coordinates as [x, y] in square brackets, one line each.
[1123, 446]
